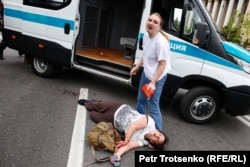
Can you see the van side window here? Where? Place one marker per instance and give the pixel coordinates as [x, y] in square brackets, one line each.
[176, 19]
[48, 4]
[191, 17]
[183, 19]
[180, 17]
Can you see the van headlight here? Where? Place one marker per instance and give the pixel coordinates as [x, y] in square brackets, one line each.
[244, 65]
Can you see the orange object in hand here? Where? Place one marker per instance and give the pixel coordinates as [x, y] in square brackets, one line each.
[148, 92]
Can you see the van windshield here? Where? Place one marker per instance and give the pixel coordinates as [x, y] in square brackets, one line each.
[221, 35]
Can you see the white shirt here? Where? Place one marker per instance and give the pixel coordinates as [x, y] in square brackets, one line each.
[154, 50]
[124, 116]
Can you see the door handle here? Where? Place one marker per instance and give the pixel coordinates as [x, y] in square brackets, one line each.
[66, 28]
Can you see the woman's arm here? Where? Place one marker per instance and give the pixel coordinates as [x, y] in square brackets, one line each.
[159, 71]
[136, 125]
[136, 68]
[122, 150]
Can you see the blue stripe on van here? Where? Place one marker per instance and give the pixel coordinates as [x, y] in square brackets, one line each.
[190, 50]
[36, 18]
[236, 50]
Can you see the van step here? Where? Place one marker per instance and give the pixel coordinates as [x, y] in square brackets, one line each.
[101, 65]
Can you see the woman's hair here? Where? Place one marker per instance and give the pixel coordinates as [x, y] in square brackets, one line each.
[161, 24]
[161, 146]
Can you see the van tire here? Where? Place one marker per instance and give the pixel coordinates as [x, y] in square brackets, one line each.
[44, 68]
[200, 105]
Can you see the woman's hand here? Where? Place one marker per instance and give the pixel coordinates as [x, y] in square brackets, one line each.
[122, 143]
[151, 86]
[134, 70]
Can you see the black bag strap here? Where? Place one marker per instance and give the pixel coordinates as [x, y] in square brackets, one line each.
[96, 160]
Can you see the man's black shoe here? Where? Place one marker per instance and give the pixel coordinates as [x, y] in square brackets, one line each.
[82, 101]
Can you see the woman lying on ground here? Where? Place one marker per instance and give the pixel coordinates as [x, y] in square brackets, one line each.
[139, 129]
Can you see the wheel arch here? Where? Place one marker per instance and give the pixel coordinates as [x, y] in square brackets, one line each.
[197, 80]
[193, 81]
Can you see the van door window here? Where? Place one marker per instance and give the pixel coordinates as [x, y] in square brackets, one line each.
[191, 17]
[183, 21]
[176, 22]
[180, 17]
[48, 4]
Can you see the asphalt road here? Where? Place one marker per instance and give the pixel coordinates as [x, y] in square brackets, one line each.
[38, 118]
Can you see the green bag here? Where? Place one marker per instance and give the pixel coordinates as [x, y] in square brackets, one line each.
[104, 136]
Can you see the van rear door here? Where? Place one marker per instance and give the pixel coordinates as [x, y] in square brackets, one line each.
[48, 28]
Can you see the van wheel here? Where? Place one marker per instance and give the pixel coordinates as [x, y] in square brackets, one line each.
[200, 105]
[43, 68]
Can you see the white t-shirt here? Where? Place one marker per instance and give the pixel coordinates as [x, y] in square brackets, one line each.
[123, 118]
[154, 50]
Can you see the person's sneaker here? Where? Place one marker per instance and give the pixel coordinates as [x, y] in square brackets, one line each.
[114, 162]
[82, 101]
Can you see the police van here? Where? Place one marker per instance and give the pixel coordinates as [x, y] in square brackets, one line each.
[103, 37]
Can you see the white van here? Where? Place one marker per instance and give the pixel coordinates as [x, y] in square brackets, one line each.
[103, 37]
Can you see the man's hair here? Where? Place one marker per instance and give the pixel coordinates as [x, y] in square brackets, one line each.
[161, 146]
